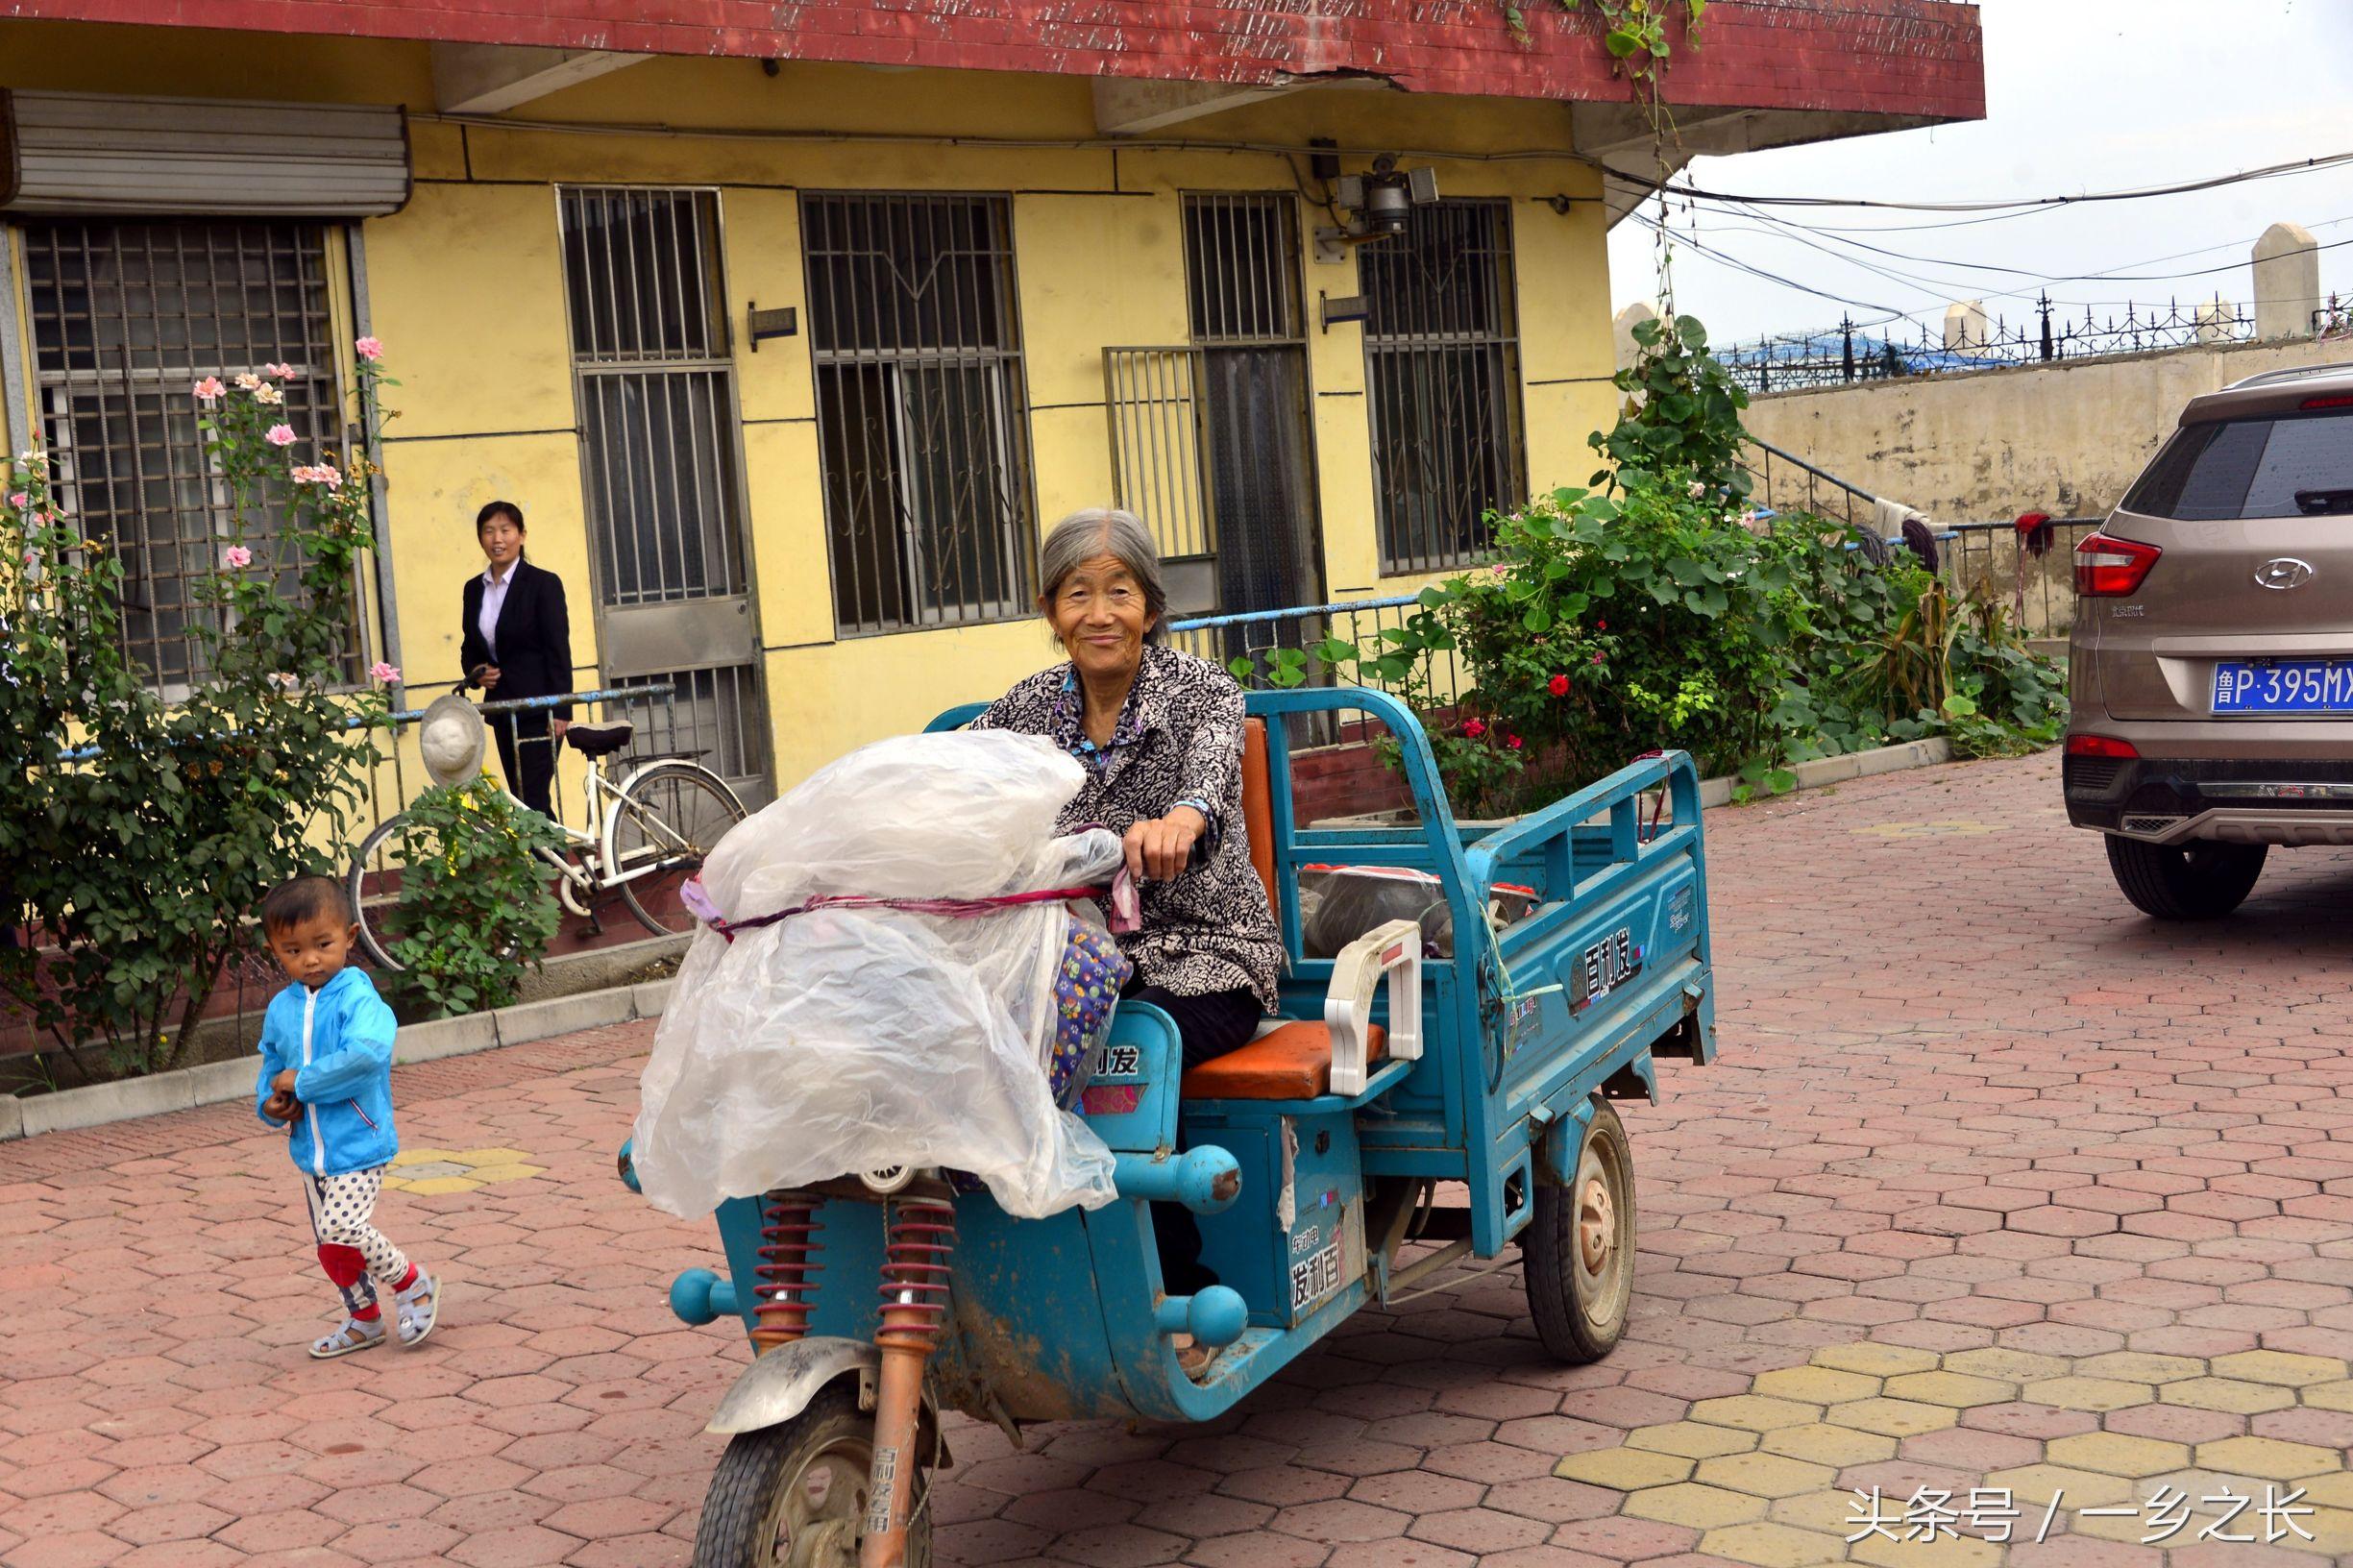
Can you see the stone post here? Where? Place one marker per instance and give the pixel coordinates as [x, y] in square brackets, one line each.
[1622, 329]
[1966, 327]
[2287, 281]
[2215, 320]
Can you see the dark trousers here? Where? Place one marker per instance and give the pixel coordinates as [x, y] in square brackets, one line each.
[1209, 1027]
[527, 756]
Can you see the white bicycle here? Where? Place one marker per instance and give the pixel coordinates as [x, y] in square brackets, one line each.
[646, 836]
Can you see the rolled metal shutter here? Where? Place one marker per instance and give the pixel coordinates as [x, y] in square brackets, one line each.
[102, 154]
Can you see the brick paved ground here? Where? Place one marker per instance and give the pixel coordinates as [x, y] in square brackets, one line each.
[1995, 1185]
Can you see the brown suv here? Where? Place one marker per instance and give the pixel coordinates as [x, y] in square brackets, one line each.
[2211, 665]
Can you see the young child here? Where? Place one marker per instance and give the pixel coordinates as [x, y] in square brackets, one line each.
[326, 1076]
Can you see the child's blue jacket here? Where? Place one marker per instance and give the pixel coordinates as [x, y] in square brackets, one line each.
[340, 1040]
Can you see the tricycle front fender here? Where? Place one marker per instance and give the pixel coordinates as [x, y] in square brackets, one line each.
[779, 1383]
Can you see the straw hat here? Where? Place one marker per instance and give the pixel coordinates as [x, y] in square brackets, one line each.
[452, 737]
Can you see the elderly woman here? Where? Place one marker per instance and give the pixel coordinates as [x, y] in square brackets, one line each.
[1159, 735]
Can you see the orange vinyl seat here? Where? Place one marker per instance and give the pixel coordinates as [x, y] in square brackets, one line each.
[1292, 1063]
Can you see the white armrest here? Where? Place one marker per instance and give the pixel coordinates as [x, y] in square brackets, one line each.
[1394, 951]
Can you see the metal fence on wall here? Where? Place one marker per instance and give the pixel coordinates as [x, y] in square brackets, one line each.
[1848, 353]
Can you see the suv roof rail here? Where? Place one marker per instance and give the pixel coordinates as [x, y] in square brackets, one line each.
[2297, 373]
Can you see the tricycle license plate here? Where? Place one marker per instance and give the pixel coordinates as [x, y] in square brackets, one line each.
[2284, 686]
[1314, 1278]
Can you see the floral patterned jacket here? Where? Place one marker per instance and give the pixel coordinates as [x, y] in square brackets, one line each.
[1179, 742]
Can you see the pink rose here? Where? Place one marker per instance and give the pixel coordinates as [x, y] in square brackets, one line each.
[370, 349]
[382, 674]
[236, 557]
[208, 390]
[283, 372]
[280, 435]
[19, 500]
[1474, 729]
[1597, 657]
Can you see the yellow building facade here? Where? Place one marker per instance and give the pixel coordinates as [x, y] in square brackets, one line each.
[999, 313]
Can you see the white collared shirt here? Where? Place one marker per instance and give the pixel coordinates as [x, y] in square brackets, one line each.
[494, 599]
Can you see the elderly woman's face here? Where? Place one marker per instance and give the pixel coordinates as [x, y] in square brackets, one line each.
[1098, 612]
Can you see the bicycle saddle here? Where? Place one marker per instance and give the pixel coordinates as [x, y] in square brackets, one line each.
[599, 740]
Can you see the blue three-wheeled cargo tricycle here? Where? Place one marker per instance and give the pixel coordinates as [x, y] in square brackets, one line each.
[1312, 1157]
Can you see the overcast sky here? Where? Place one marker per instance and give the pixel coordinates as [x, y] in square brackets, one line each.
[2080, 95]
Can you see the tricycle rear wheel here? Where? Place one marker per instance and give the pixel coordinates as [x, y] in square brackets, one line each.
[795, 1495]
[1578, 1253]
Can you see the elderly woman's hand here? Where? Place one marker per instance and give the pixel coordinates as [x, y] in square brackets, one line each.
[1161, 849]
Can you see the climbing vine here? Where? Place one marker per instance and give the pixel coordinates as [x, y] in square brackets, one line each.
[1635, 31]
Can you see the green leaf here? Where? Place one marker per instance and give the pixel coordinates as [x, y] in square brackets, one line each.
[1621, 42]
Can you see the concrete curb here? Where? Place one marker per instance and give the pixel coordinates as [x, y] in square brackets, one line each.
[219, 1083]
[1825, 771]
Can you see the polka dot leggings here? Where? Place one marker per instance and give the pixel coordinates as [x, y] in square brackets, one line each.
[355, 1255]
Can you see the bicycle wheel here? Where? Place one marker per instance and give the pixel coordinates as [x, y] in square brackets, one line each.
[669, 818]
[374, 887]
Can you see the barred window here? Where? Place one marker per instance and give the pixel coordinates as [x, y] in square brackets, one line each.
[126, 317]
[917, 342]
[1441, 363]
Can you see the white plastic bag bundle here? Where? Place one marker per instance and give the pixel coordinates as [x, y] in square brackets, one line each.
[853, 1038]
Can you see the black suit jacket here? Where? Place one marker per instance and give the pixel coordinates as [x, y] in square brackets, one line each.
[534, 637]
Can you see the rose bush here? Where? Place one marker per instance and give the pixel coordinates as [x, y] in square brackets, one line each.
[138, 832]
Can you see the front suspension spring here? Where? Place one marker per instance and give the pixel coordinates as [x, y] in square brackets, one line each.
[787, 1271]
[915, 1271]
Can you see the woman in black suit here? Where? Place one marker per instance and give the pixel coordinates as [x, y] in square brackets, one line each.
[517, 642]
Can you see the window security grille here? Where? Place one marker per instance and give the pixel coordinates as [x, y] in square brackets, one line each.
[126, 317]
[917, 342]
[656, 393]
[649, 344]
[1441, 359]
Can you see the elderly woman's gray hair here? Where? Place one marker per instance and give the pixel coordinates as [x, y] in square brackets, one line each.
[1105, 530]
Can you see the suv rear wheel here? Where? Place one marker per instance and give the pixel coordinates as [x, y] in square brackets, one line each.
[2185, 882]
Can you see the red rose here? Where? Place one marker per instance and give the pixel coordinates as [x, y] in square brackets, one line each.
[1559, 685]
[1512, 741]
[1601, 626]
[1597, 656]
[1474, 729]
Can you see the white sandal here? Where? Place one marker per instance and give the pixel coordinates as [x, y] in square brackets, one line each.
[418, 1308]
[354, 1335]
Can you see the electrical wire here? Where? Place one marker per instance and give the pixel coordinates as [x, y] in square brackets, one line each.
[1888, 312]
[2268, 171]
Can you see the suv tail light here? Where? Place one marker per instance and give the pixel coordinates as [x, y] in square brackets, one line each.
[2099, 745]
[2111, 567]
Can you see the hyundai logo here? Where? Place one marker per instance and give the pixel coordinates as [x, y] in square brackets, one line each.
[2285, 572]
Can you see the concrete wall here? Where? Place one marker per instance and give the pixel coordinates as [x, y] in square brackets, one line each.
[2066, 438]
[466, 291]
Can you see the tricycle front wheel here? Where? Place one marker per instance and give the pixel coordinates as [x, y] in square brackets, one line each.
[795, 1495]
[1578, 1250]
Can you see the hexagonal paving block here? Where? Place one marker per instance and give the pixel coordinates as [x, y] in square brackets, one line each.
[2330, 1396]
[1753, 1413]
[435, 1186]
[2227, 1394]
[2266, 1458]
[1693, 1439]
[1694, 1507]
[2112, 1454]
[1825, 1444]
[492, 1157]
[2279, 1367]
[1836, 1513]
[1816, 1385]
[1943, 1552]
[2334, 1491]
[2095, 1394]
[1893, 1417]
[1875, 1360]
[1774, 1546]
[488, 1175]
[2038, 1484]
[1626, 1469]
[2005, 1366]
[1957, 1390]
[2141, 1367]
[1766, 1475]
[421, 1157]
